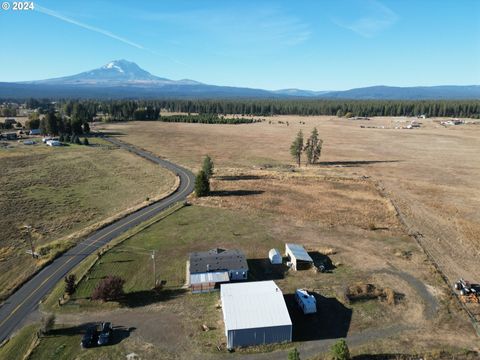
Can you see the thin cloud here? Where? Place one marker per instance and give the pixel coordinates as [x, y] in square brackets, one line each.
[111, 35]
[380, 18]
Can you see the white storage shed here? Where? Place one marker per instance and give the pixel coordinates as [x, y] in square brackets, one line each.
[275, 256]
[254, 313]
[298, 257]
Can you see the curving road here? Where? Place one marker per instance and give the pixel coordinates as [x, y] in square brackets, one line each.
[26, 299]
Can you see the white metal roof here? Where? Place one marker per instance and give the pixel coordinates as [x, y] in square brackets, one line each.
[210, 277]
[253, 305]
[299, 252]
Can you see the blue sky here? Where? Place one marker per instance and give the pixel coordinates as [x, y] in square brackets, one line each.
[319, 45]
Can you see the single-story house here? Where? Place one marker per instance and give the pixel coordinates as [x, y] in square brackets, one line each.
[298, 256]
[254, 313]
[206, 270]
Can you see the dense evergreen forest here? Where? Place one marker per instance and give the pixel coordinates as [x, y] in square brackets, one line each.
[125, 110]
[208, 119]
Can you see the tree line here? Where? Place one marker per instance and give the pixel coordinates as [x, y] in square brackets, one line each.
[207, 119]
[125, 110]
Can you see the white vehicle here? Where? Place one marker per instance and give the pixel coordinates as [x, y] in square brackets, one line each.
[307, 302]
[45, 139]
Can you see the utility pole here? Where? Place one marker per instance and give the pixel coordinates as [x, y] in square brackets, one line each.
[28, 228]
[154, 272]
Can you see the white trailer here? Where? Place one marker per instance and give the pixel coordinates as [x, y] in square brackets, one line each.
[306, 301]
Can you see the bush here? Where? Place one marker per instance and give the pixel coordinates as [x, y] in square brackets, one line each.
[70, 284]
[48, 322]
[85, 142]
[339, 351]
[293, 354]
[61, 138]
[202, 184]
[77, 140]
[108, 289]
[67, 138]
[348, 115]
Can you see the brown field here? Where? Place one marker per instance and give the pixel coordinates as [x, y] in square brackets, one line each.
[431, 172]
[64, 193]
[344, 203]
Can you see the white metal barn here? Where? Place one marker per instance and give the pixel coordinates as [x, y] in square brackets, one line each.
[254, 313]
[306, 301]
[298, 256]
[275, 256]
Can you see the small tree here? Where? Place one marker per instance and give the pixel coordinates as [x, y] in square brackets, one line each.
[340, 113]
[208, 166]
[48, 322]
[86, 128]
[67, 138]
[313, 149]
[70, 284]
[339, 351]
[293, 354]
[85, 142]
[77, 140]
[61, 138]
[202, 184]
[297, 147]
[108, 289]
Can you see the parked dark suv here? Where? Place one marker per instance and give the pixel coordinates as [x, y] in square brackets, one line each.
[90, 337]
[105, 334]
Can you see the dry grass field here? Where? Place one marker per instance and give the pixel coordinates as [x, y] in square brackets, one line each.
[345, 202]
[431, 172]
[61, 192]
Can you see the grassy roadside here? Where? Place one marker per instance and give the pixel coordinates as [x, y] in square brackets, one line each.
[62, 193]
[20, 344]
[50, 304]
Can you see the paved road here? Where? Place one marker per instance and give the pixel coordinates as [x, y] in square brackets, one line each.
[26, 299]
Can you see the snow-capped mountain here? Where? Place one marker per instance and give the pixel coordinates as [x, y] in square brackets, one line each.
[116, 72]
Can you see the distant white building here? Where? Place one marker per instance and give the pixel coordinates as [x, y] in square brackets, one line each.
[54, 143]
[275, 256]
[306, 301]
[254, 313]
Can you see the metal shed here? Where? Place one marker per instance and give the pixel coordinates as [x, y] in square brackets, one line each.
[298, 256]
[254, 313]
[275, 256]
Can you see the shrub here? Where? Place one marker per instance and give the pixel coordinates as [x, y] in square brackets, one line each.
[61, 138]
[339, 351]
[70, 284]
[108, 289]
[85, 142]
[77, 140]
[293, 354]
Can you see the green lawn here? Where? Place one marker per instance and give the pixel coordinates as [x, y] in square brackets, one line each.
[192, 228]
[17, 347]
[61, 192]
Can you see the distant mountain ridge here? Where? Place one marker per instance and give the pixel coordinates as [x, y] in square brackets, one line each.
[125, 79]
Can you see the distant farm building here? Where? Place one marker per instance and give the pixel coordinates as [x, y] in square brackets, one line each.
[255, 313]
[298, 257]
[10, 136]
[9, 121]
[206, 270]
[275, 256]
